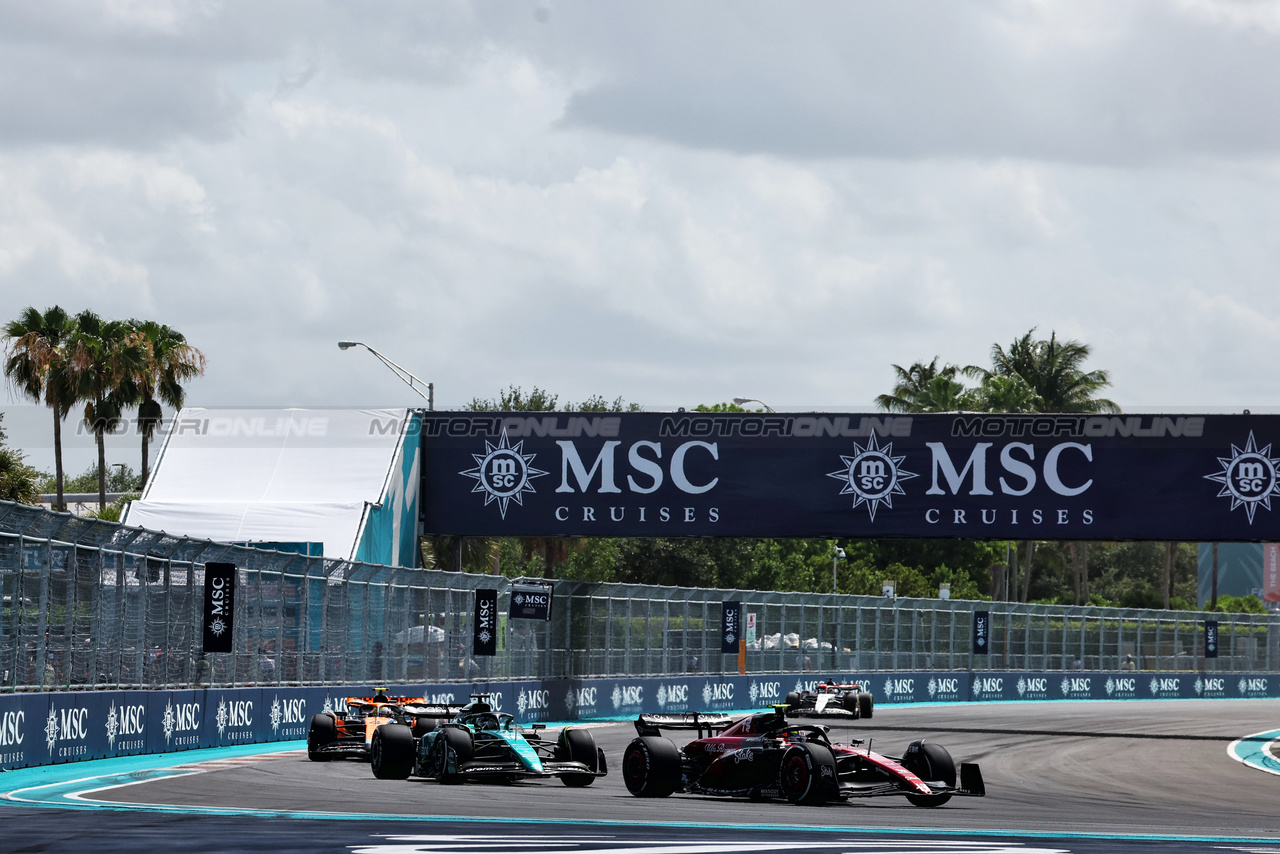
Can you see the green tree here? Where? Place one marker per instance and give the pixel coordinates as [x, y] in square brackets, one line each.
[913, 387]
[597, 403]
[964, 564]
[120, 478]
[168, 362]
[36, 365]
[1054, 371]
[106, 359]
[944, 393]
[514, 399]
[1005, 394]
[722, 407]
[18, 481]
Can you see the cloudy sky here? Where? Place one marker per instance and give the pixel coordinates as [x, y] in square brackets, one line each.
[672, 202]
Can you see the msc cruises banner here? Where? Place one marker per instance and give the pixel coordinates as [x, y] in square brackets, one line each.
[1160, 477]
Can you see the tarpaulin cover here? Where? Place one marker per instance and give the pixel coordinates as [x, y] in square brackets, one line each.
[347, 478]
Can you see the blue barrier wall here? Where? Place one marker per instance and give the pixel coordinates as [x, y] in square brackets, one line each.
[42, 729]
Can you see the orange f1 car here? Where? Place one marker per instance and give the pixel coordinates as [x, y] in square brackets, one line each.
[334, 735]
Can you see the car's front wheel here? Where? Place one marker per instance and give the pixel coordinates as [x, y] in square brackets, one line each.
[323, 731]
[932, 764]
[578, 745]
[452, 749]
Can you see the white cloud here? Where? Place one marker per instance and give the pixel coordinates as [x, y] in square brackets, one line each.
[677, 204]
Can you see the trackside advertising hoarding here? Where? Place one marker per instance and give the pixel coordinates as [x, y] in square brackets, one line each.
[1159, 477]
[45, 729]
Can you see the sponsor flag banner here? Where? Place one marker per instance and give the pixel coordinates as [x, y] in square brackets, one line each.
[1271, 572]
[730, 627]
[485, 623]
[530, 602]
[981, 632]
[219, 606]
[1210, 638]
[976, 475]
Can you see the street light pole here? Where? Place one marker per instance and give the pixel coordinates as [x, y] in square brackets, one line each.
[839, 555]
[400, 371]
[741, 400]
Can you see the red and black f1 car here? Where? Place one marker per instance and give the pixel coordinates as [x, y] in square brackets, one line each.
[832, 698]
[764, 756]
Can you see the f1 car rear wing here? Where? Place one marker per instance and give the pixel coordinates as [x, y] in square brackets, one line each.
[440, 710]
[705, 724]
[367, 704]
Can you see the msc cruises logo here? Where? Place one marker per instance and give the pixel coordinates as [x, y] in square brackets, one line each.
[503, 473]
[1248, 477]
[873, 475]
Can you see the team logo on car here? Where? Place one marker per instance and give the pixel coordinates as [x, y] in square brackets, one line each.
[503, 473]
[1248, 477]
[873, 475]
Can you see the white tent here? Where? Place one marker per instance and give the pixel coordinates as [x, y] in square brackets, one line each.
[345, 478]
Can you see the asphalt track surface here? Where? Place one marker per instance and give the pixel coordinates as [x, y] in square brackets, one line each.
[1067, 776]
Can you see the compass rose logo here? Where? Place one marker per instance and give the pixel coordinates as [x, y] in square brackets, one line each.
[1248, 477]
[503, 473]
[873, 475]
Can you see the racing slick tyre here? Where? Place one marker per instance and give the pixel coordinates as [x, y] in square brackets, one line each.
[849, 702]
[933, 764]
[391, 752]
[865, 703]
[578, 745]
[323, 731]
[651, 767]
[453, 747]
[801, 775]
[792, 700]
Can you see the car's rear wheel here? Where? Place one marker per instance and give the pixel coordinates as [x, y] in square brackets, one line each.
[578, 745]
[801, 775]
[651, 767]
[864, 704]
[933, 764]
[849, 702]
[423, 724]
[323, 731]
[391, 752]
[452, 749]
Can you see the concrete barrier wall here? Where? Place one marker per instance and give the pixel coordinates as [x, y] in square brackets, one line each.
[47, 728]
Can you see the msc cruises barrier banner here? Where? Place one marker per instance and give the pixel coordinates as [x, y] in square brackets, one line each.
[44, 729]
[1159, 477]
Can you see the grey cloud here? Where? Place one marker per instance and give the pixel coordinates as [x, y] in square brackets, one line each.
[913, 80]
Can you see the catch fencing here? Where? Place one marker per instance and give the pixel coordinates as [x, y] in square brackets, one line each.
[89, 604]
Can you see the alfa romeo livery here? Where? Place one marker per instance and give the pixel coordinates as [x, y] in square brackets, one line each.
[763, 756]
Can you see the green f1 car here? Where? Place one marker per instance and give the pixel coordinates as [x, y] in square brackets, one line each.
[481, 744]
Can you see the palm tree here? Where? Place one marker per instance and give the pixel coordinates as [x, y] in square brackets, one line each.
[1054, 379]
[944, 393]
[1053, 371]
[36, 365]
[912, 384]
[169, 361]
[106, 359]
